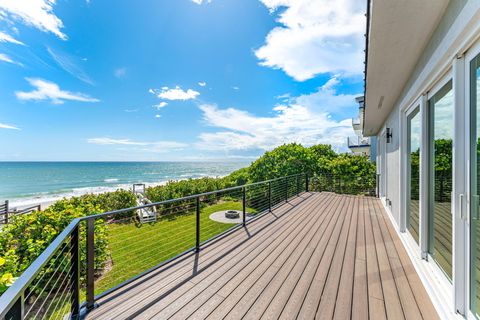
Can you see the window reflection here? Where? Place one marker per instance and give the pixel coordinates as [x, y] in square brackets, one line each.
[440, 217]
[414, 137]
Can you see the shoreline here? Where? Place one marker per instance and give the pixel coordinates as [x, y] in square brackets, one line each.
[47, 201]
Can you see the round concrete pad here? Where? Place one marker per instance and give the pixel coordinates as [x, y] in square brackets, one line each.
[219, 216]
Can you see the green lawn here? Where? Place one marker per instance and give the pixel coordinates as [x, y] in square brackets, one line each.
[136, 248]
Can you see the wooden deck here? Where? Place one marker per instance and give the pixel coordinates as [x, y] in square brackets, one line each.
[322, 256]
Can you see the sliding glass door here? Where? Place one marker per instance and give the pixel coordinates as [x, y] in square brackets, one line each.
[474, 185]
[413, 166]
[441, 117]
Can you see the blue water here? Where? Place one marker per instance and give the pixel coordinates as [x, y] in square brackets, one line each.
[34, 182]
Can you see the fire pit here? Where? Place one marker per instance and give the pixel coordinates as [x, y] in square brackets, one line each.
[232, 214]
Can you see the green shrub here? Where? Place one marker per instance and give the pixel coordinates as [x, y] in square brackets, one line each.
[283, 161]
[107, 201]
[347, 173]
[27, 236]
[237, 178]
[183, 188]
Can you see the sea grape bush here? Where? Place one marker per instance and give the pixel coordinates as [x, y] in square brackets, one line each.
[179, 189]
[108, 201]
[347, 174]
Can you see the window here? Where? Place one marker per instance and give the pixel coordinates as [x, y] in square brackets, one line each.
[441, 112]
[413, 166]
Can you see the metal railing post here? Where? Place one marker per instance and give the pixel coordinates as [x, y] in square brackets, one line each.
[17, 310]
[270, 196]
[306, 182]
[286, 189]
[377, 185]
[298, 186]
[74, 274]
[197, 242]
[244, 200]
[6, 212]
[90, 263]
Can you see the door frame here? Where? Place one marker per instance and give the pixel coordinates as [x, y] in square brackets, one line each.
[473, 52]
[404, 178]
[428, 182]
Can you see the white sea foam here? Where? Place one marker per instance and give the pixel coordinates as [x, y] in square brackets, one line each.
[110, 180]
[47, 199]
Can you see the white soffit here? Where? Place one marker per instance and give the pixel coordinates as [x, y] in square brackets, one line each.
[399, 31]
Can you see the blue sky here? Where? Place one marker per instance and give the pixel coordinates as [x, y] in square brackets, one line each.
[177, 79]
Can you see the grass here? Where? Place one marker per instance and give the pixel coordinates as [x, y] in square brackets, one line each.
[136, 248]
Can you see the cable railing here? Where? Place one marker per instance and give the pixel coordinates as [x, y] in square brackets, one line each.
[98, 254]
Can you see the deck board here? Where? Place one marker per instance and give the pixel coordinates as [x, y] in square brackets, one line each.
[322, 255]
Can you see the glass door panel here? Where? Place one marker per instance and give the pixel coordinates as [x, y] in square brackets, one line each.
[413, 165]
[440, 187]
[474, 186]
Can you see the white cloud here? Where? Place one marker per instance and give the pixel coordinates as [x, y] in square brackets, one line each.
[8, 126]
[69, 64]
[109, 141]
[6, 58]
[46, 90]
[4, 37]
[304, 120]
[199, 2]
[161, 105]
[158, 116]
[315, 36]
[131, 110]
[326, 99]
[202, 83]
[176, 93]
[235, 88]
[36, 13]
[120, 72]
[155, 146]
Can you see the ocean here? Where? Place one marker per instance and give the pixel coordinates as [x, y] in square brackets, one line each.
[29, 183]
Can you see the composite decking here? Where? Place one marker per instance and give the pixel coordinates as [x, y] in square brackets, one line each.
[321, 255]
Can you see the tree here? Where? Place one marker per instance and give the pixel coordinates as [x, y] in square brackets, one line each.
[352, 174]
[443, 169]
[283, 161]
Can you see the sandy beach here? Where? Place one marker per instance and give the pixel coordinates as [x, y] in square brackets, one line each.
[45, 202]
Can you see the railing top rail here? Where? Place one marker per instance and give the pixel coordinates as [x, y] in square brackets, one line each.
[10, 296]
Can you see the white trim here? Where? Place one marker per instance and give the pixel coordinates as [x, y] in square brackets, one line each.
[404, 170]
[459, 245]
[440, 83]
[469, 56]
[424, 196]
[404, 183]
